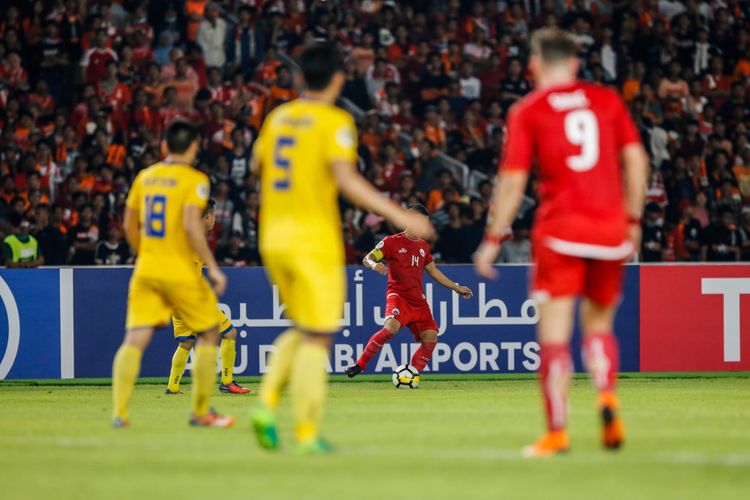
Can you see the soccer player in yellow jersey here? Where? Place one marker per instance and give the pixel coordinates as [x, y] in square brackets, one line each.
[186, 337]
[163, 225]
[306, 153]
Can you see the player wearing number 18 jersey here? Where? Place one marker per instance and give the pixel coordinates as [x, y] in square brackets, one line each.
[585, 144]
[163, 225]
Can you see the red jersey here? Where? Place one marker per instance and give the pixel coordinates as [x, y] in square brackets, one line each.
[406, 258]
[575, 133]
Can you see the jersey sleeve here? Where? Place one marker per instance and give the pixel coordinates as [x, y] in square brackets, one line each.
[134, 196]
[382, 250]
[427, 254]
[342, 146]
[625, 128]
[198, 190]
[519, 142]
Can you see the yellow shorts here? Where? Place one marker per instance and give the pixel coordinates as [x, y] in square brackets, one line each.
[312, 288]
[182, 332]
[151, 302]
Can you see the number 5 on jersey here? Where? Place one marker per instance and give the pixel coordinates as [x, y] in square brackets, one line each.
[282, 163]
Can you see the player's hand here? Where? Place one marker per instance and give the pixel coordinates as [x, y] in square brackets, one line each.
[219, 280]
[380, 268]
[484, 258]
[465, 292]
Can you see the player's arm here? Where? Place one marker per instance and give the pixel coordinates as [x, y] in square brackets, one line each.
[131, 227]
[360, 192]
[255, 165]
[438, 276]
[196, 233]
[511, 184]
[373, 260]
[635, 166]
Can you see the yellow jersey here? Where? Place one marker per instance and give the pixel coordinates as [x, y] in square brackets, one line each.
[159, 194]
[296, 147]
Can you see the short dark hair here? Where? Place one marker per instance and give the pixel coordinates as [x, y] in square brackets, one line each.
[419, 208]
[553, 45]
[180, 135]
[319, 62]
[210, 207]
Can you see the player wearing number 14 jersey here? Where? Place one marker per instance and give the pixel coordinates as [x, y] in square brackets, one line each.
[592, 170]
[407, 257]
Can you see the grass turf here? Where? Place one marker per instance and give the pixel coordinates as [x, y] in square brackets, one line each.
[688, 438]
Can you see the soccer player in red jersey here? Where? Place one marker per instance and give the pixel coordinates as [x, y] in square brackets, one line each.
[407, 258]
[592, 180]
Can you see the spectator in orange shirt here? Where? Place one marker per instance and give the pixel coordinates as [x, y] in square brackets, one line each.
[435, 200]
[433, 129]
[282, 90]
[673, 86]
[185, 86]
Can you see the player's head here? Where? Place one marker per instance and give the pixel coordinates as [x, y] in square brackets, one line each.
[209, 214]
[553, 50]
[322, 68]
[181, 139]
[417, 208]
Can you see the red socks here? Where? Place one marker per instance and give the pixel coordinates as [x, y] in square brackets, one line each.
[554, 372]
[422, 355]
[373, 346]
[601, 358]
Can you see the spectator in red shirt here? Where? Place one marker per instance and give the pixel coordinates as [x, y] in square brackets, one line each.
[93, 63]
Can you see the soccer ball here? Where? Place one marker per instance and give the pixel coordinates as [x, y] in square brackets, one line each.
[406, 377]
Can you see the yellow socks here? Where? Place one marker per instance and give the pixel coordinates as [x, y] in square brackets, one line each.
[125, 369]
[179, 360]
[280, 365]
[227, 353]
[308, 386]
[204, 378]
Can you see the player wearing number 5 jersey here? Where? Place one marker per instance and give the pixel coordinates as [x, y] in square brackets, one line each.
[592, 172]
[163, 224]
[306, 153]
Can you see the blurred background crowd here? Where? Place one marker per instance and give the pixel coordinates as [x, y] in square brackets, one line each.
[88, 86]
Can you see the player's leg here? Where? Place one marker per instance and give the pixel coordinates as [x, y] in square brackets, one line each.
[179, 361]
[374, 345]
[600, 347]
[318, 316]
[146, 310]
[425, 331]
[125, 370]
[263, 417]
[309, 386]
[423, 354]
[228, 354]
[185, 341]
[556, 282]
[396, 314]
[196, 304]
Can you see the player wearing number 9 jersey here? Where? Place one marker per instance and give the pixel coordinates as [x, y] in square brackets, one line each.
[305, 153]
[592, 172]
[163, 223]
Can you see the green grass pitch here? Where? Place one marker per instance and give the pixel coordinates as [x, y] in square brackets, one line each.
[452, 439]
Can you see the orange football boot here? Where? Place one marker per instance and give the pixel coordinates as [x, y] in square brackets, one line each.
[552, 443]
[613, 430]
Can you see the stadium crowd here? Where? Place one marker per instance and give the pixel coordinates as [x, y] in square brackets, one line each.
[88, 86]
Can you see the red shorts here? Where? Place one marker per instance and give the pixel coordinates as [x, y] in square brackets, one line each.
[417, 318]
[559, 275]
